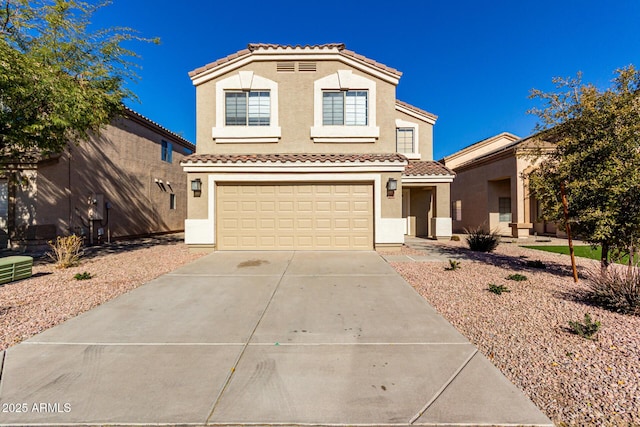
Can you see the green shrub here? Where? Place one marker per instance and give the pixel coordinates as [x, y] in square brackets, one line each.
[453, 265]
[536, 264]
[66, 251]
[587, 329]
[481, 240]
[455, 238]
[517, 277]
[498, 289]
[616, 288]
[83, 276]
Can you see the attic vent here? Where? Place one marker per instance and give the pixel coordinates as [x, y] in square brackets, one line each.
[306, 66]
[286, 67]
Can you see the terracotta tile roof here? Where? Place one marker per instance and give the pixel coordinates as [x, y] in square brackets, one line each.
[253, 47]
[416, 109]
[294, 158]
[420, 168]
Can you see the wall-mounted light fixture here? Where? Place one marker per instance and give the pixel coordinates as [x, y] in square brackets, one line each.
[196, 187]
[392, 186]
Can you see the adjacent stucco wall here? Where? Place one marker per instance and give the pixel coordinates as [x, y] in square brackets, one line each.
[296, 113]
[471, 185]
[122, 164]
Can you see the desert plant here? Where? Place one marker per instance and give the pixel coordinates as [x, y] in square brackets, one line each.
[517, 277]
[616, 288]
[455, 238]
[453, 265]
[481, 240]
[497, 289]
[586, 329]
[536, 263]
[83, 276]
[66, 251]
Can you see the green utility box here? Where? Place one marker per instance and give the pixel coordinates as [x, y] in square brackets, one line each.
[15, 268]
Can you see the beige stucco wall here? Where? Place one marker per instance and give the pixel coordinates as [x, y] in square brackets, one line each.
[296, 115]
[471, 185]
[122, 163]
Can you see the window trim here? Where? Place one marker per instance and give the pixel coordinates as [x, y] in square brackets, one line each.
[246, 81]
[344, 80]
[415, 155]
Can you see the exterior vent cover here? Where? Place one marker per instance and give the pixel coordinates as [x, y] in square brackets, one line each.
[286, 67]
[306, 66]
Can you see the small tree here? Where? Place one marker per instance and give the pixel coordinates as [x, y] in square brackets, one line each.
[596, 155]
[58, 81]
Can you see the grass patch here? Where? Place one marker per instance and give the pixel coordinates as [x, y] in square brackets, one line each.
[581, 251]
[497, 289]
[517, 277]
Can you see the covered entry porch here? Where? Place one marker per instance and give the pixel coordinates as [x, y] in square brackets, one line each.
[426, 201]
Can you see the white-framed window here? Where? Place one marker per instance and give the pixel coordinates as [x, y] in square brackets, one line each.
[172, 201]
[247, 108]
[166, 152]
[504, 209]
[456, 210]
[344, 108]
[407, 138]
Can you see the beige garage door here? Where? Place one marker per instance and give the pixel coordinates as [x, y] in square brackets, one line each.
[295, 216]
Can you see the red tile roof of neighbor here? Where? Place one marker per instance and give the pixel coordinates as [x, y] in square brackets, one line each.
[294, 158]
[419, 168]
[253, 47]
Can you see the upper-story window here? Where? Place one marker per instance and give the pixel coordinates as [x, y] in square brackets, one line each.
[404, 140]
[166, 152]
[407, 139]
[348, 108]
[344, 108]
[248, 108]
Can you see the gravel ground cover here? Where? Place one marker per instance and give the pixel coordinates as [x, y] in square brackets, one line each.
[526, 334]
[52, 296]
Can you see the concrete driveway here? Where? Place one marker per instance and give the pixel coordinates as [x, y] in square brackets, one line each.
[314, 338]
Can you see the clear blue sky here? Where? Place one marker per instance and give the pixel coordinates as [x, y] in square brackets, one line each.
[472, 63]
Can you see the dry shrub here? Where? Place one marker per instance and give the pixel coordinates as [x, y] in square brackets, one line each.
[481, 240]
[616, 288]
[66, 251]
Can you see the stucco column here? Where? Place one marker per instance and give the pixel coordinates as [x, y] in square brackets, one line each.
[441, 225]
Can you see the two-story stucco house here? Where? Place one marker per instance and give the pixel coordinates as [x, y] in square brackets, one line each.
[307, 148]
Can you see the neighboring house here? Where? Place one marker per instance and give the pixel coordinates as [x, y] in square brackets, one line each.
[490, 188]
[306, 147]
[124, 182]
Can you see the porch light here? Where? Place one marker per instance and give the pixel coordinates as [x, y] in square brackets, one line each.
[196, 187]
[392, 184]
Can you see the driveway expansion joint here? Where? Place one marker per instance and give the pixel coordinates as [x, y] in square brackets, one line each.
[244, 349]
[443, 388]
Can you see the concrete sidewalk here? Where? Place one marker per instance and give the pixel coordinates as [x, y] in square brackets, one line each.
[317, 338]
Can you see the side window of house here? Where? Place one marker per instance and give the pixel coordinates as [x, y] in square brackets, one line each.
[405, 140]
[172, 201]
[166, 154]
[456, 210]
[247, 108]
[345, 108]
[504, 209]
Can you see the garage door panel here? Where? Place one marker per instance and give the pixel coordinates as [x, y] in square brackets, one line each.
[295, 216]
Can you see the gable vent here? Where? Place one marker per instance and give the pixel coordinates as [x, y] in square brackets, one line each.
[306, 66]
[286, 67]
